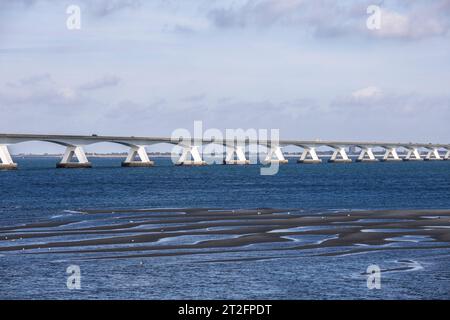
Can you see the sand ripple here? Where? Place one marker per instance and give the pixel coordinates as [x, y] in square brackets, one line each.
[137, 233]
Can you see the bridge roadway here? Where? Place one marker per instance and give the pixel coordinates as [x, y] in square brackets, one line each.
[75, 157]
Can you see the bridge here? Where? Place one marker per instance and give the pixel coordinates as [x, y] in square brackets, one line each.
[75, 156]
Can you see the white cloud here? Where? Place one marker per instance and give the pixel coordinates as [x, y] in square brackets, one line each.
[99, 8]
[32, 80]
[67, 93]
[100, 83]
[42, 91]
[106, 7]
[35, 90]
[326, 18]
[394, 24]
[366, 93]
[414, 24]
[371, 102]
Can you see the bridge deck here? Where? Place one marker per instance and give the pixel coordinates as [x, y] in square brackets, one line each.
[90, 139]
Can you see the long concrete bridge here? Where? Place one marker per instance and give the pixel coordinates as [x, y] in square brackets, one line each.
[75, 157]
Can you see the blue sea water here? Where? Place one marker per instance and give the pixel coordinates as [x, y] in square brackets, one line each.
[37, 191]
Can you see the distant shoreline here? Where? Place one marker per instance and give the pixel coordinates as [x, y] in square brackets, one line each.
[161, 155]
[88, 155]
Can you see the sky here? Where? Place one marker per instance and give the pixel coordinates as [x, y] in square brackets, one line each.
[312, 69]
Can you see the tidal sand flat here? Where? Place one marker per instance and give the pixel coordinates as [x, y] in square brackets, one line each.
[145, 233]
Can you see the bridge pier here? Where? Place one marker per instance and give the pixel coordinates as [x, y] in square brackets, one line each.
[276, 152]
[6, 162]
[433, 154]
[366, 151]
[141, 153]
[339, 156]
[413, 155]
[78, 152]
[391, 155]
[311, 152]
[240, 156]
[188, 152]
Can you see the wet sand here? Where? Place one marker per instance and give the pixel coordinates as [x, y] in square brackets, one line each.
[141, 233]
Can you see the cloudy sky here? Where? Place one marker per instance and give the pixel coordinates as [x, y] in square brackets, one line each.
[309, 68]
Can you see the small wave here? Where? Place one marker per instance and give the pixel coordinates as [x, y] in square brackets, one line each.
[309, 239]
[411, 264]
[383, 220]
[410, 238]
[60, 216]
[408, 266]
[438, 227]
[336, 210]
[432, 217]
[389, 230]
[74, 211]
[306, 228]
[330, 238]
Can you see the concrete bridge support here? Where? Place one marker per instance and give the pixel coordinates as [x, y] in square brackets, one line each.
[413, 155]
[391, 155]
[140, 153]
[239, 151]
[339, 156]
[78, 152]
[6, 162]
[433, 154]
[275, 155]
[309, 155]
[366, 155]
[190, 157]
